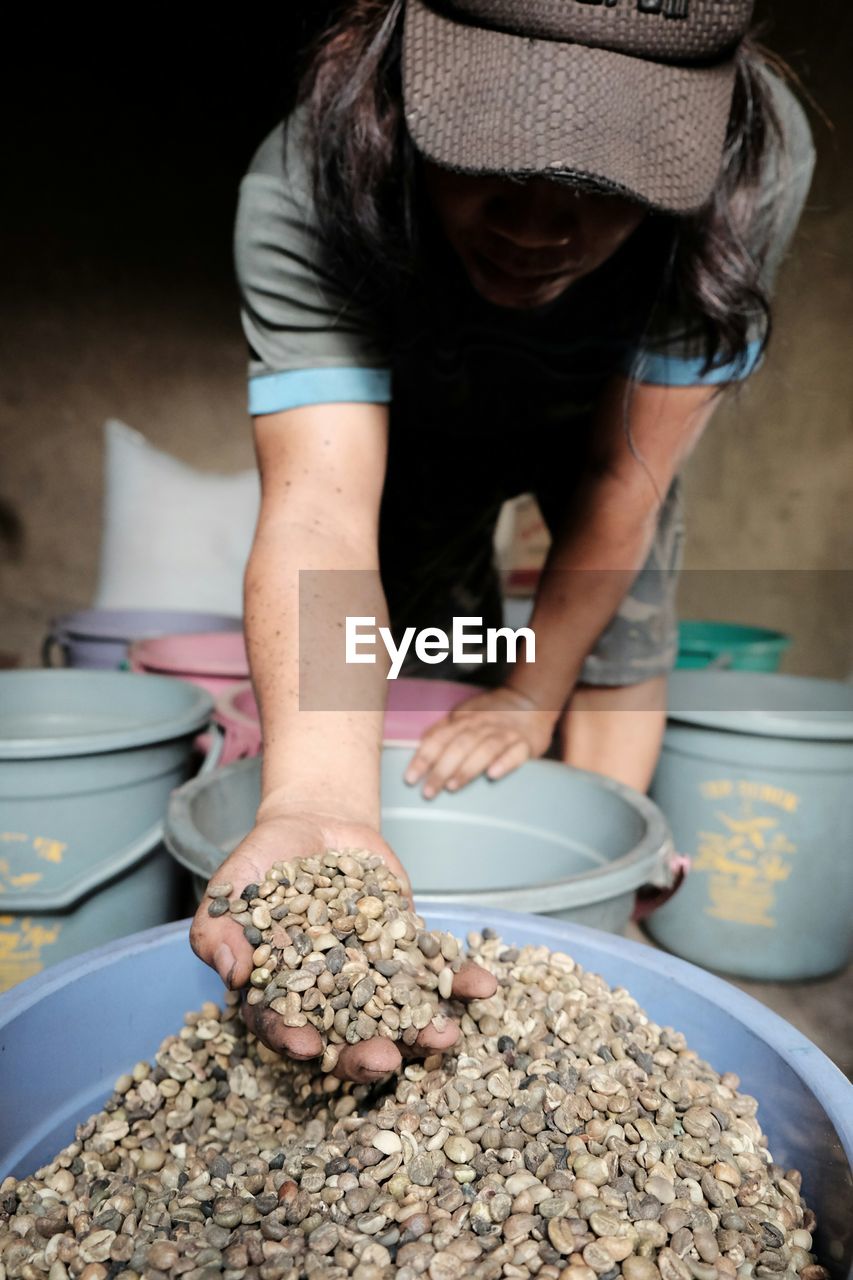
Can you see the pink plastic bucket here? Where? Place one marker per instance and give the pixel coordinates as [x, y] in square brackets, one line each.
[215, 660]
[413, 705]
[237, 713]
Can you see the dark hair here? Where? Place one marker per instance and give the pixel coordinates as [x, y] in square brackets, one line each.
[365, 184]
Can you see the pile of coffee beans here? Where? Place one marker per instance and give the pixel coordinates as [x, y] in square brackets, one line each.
[565, 1136]
[337, 946]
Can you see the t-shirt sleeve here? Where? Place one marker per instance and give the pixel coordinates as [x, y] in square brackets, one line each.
[308, 342]
[672, 354]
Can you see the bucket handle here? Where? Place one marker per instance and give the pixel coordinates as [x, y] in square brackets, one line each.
[651, 897]
[185, 843]
[214, 736]
[722, 662]
[53, 640]
[240, 743]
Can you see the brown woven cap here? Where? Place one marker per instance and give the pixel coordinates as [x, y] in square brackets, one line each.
[549, 87]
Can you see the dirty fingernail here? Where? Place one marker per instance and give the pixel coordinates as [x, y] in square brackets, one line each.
[223, 961]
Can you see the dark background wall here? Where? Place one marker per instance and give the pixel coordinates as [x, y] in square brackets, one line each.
[121, 160]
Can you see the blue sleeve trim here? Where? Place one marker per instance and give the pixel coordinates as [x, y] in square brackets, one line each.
[274, 392]
[675, 371]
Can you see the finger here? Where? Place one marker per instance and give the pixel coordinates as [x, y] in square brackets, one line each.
[368, 1061]
[434, 1040]
[451, 758]
[472, 982]
[430, 748]
[291, 1042]
[484, 754]
[221, 943]
[508, 760]
[401, 874]
[218, 940]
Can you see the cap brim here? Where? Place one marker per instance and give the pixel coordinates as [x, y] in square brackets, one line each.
[485, 101]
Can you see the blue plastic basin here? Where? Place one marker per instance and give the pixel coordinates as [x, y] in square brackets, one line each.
[806, 1104]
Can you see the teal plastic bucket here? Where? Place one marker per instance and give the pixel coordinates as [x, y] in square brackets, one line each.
[805, 1103]
[729, 646]
[755, 780]
[87, 762]
[546, 838]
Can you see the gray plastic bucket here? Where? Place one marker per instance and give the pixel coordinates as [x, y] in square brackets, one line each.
[87, 762]
[545, 838]
[98, 639]
[756, 780]
[805, 1103]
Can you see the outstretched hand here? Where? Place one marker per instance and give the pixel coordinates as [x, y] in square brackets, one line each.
[220, 942]
[493, 733]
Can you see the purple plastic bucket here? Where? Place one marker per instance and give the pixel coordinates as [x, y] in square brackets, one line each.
[98, 639]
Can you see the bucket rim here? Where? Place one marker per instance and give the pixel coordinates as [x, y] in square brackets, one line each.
[144, 653]
[757, 639]
[650, 861]
[719, 700]
[102, 624]
[193, 715]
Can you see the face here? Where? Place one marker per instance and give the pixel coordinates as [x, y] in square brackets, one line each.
[524, 243]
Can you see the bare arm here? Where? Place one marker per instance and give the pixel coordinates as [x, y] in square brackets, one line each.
[322, 470]
[644, 435]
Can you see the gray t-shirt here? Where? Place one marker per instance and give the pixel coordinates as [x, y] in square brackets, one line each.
[309, 343]
[484, 402]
